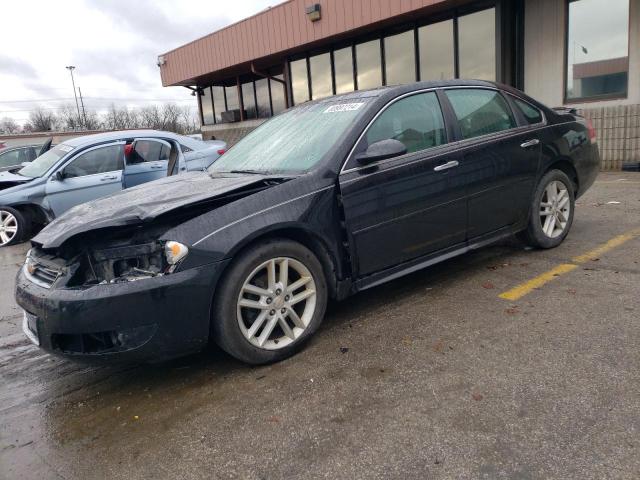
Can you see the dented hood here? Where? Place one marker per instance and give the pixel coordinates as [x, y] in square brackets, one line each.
[141, 204]
[8, 179]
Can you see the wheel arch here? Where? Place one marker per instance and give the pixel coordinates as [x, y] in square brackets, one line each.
[565, 165]
[313, 241]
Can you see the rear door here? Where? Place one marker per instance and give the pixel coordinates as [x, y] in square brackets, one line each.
[500, 159]
[147, 161]
[93, 173]
[403, 208]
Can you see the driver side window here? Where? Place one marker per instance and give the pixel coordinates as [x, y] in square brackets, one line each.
[100, 160]
[416, 121]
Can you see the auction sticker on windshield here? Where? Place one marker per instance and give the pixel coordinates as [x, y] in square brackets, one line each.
[65, 148]
[343, 107]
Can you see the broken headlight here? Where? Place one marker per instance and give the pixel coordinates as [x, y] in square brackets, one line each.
[130, 263]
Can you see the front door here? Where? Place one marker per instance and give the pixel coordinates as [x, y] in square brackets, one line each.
[406, 207]
[500, 158]
[92, 174]
[148, 160]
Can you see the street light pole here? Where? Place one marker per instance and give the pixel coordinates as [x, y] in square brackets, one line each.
[71, 68]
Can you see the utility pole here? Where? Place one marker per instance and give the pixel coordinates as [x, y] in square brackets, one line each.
[71, 68]
[84, 114]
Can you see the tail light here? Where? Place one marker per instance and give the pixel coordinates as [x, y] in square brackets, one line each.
[221, 151]
[592, 131]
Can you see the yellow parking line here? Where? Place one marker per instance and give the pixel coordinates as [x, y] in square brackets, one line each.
[523, 289]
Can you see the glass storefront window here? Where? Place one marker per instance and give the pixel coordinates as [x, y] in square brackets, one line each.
[321, 85]
[218, 102]
[436, 51]
[278, 101]
[232, 98]
[477, 45]
[249, 100]
[207, 106]
[299, 81]
[597, 49]
[262, 97]
[400, 58]
[369, 65]
[343, 65]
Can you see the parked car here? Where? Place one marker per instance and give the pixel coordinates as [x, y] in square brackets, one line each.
[322, 201]
[89, 167]
[14, 157]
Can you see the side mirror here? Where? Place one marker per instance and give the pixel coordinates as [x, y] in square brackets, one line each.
[381, 150]
[60, 175]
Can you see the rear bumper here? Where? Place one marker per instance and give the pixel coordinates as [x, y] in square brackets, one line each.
[153, 319]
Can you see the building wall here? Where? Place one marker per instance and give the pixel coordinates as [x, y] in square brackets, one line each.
[617, 122]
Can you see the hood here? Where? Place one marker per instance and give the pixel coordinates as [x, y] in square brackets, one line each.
[8, 180]
[141, 204]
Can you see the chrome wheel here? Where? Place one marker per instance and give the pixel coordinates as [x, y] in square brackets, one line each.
[8, 227]
[276, 303]
[555, 209]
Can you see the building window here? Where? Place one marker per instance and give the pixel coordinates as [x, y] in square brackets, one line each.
[231, 94]
[369, 65]
[278, 100]
[597, 49]
[320, 68]
[299, 81]
[400, 58]
[218, 102]
[262, 98]
[207, 107]
[477, 45]
[249, 100]
[343, 66]
[436, 51]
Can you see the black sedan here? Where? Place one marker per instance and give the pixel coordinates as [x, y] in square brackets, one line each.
[327, 199]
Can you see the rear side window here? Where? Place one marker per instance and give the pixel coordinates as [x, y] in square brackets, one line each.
[416, 121]
[480, 112]
[148, 151]
[100, 160]
[531, 114]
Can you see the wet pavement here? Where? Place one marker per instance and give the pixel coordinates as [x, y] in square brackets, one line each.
[429, 376]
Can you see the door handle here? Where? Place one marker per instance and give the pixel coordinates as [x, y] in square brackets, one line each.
[530, 143]
[157, 166]
[446, 166]
[109, 177]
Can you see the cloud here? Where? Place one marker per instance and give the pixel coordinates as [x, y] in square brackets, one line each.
[16, 67]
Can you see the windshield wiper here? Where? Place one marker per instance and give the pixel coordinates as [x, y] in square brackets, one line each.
[252, 172]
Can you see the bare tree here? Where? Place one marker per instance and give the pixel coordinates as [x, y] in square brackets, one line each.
[9, 125]
[68, 118]
[42, 120]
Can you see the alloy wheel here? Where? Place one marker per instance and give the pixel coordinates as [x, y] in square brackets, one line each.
[8, 227]
[555, 209]
[276, 303]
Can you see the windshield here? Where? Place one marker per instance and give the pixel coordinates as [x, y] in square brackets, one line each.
[44, 162]
[292, 142]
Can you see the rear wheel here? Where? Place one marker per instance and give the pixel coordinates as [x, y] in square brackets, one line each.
[13, 226]
[272, 299]
[551, 211]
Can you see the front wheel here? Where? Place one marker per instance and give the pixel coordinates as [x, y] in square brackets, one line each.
[551, 211]
[272, 299]
[13, 226]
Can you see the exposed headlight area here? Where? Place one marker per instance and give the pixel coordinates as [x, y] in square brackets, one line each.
[107, 265]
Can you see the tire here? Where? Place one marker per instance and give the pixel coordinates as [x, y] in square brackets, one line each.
[14, 227]
[540, 232]
[247, 304]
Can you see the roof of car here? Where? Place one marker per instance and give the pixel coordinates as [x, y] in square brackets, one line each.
[119, 135]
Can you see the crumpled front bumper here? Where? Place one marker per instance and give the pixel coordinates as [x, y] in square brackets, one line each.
[147, 320]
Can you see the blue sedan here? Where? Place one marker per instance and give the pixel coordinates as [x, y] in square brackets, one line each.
[89, 167]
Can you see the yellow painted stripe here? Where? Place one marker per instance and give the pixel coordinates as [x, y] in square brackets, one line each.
[605, 247]
[527, 287]
[521, 290]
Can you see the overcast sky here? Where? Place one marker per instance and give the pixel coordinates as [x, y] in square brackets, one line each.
[114, 45]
